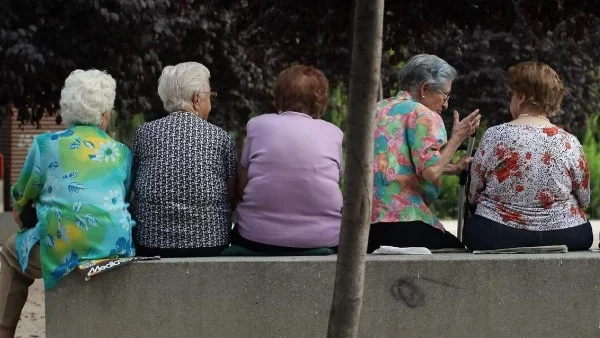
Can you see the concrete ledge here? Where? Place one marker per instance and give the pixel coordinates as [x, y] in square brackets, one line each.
[449, 295]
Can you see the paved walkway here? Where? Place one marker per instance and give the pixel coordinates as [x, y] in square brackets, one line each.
[33, 318]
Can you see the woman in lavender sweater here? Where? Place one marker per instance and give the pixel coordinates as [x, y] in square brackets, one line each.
[290, 170]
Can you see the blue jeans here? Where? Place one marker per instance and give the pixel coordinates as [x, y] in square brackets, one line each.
[481, 233]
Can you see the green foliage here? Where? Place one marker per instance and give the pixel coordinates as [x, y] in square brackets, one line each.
[246, 44]
[337, 111]
[337, 108]
[123, 130]
[591, 148]
[446, 206]
[493, 36]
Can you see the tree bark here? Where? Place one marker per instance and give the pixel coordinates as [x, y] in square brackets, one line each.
[364, 85]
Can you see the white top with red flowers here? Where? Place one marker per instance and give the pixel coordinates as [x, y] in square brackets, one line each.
[530, 177]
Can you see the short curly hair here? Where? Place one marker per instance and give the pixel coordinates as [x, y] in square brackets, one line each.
[539, 83]
[86, 95]
[303, 89]
[178, 84]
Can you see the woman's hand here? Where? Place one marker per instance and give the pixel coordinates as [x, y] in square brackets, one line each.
[459, 166]
[17, 217]
[462, 129]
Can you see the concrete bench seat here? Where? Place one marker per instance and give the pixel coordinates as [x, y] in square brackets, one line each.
[441, 295]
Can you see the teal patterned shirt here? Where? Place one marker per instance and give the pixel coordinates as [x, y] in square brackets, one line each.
[79, 179]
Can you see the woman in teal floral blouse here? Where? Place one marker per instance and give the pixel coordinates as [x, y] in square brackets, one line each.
[79, 181]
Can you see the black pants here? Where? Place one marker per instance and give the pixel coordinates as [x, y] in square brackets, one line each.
[237, 239]
[481, 233]
[143, 251]
[409, 234]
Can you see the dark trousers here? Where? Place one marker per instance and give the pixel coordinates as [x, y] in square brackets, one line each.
[237, 239]
[481, 233]
[410, 234]
[143, 251]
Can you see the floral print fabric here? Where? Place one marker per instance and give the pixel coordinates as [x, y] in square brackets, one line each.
[408, 139]
[530, 177]
[79, 179]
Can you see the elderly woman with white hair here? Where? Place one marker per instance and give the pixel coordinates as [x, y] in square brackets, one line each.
[78, 180]
[185, 171]
[411, 153]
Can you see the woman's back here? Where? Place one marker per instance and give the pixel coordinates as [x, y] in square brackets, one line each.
[294, 166]
[81, 179]
[531, 177]
[182, 164]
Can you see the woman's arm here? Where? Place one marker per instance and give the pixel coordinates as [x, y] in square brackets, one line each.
[231, 172]
[460, 131]
[478, 176]
[242, 181]
[580, 177]
[135, 159]
[130, 174]
[243, 163]
[30, 183]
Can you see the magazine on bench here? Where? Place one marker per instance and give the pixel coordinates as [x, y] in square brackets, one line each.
[449, 250]
[392, 250]
[94, 267]
[527, 250]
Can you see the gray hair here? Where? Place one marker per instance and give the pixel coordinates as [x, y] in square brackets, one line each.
[425, 68]
[178, 84]
[86, 95]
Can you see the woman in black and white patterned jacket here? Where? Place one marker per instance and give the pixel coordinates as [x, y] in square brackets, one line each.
[185, 171]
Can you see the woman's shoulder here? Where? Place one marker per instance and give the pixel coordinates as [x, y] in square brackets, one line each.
[172, 123]
[421, 110]
[154, 124]
[218, 131]
[401, 106]
[289, 118]
[262, 119]
[330, 127]
[121, 146]
[566, 134]
[529, 129]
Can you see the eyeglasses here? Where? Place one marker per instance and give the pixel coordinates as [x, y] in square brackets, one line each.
[212, 94]
[446, 96]
[509, 94]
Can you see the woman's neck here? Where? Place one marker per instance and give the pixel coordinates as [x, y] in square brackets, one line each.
[531, 117]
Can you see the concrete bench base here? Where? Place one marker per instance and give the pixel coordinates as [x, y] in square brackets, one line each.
[449, 295]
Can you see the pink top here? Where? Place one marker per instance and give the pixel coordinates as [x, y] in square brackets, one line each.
[294, 166]
[530, 177]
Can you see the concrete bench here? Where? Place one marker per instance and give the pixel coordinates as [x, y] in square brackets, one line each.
[441, 295]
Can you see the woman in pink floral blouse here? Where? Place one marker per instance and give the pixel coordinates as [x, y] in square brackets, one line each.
[411, 154]
[529, 179]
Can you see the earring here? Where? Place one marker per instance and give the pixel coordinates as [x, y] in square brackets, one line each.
[423, 96]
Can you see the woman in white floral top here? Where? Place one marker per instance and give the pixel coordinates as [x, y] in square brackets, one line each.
[529, 178]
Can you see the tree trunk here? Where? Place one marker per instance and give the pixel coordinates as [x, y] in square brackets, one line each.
[364, 85]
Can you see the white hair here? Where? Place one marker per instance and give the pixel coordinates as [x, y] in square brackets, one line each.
[86, 95]
[178, 84]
